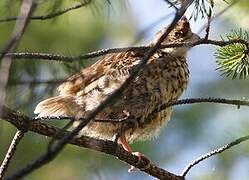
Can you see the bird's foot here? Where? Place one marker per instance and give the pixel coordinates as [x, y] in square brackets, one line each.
[140, 158]
[131, 121]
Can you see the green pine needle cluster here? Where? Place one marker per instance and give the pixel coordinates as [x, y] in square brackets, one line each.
[233, 59]
[200, 7]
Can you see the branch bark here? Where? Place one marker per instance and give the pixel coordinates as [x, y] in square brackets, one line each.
[25, 123]
[102, 52]
[10, 153]
[212, 153]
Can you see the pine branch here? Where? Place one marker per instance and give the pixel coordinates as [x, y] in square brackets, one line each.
[200, 7]
[233, 59]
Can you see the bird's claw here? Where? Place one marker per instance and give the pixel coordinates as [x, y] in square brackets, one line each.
[140, 157]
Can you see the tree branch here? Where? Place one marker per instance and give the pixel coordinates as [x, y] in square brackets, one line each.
[218, 15]
[238, 103]
[58, 57]
[235, 102]
[25, 123]
[26, 10]
[51, 15]
[10, 153]
[212, 153]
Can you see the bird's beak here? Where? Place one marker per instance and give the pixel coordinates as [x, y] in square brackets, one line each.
[195, 37]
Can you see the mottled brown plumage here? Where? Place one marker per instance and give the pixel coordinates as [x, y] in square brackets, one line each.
[163, 79]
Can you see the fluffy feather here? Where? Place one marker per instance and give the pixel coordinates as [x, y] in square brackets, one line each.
[57, 106]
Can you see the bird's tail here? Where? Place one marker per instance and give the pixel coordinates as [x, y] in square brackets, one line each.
[57, 106]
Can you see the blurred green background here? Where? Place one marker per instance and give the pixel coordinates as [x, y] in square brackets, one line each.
[193, 129]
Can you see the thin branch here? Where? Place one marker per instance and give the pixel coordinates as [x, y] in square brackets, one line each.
[235, 102]
[26, 10]
[54, 150]
[212, 153]
[118, 120]
[208, 23]
[25, 123]
[51, 15]
[171, 4]
[144, 31]
[37, 82]
[10, 153]
[58, 57]
[218, 15]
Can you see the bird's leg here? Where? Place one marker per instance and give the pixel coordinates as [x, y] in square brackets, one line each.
[120, 135]
[127, 147]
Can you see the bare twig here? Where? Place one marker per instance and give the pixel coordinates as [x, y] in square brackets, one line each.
[26, 10]
[58, 57]
[51, 15]
[212, 153]
[24, 123]
[235, 102]
[208, 23]
[118, 120]
[11, 151]
[54, 150]
[144, 31]
[37, 81]
[171, 4]
[218, 15]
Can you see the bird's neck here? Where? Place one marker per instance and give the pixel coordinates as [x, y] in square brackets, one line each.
[178, 52]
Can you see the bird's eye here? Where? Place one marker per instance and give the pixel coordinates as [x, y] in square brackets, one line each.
[178, 34]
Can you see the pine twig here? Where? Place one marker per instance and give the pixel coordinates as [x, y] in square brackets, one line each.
[212, 153]
[10, 153]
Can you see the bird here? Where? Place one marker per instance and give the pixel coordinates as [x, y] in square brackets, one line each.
[163, 79]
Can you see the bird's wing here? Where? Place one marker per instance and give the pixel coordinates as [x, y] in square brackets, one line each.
[113, 66]
[81, 91]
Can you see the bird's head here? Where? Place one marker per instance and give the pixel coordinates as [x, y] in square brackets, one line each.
[181, 33]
